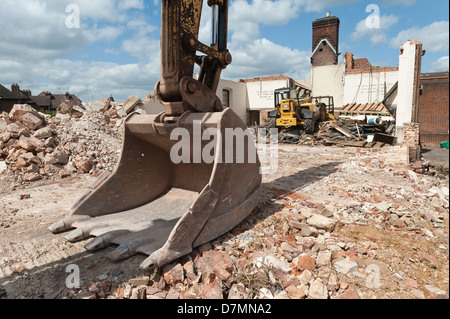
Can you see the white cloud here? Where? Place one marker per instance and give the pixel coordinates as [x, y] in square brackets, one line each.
[375, 35]
[131, 4]
[263, 57]
[101, 78]
[144, 48]
[320, 5]
[391, 3]
[278, 12]
[107, 33]
[254, 55]
[141, 27]
[34, 42]
[105, 10]
[434, 36]
[442, 64]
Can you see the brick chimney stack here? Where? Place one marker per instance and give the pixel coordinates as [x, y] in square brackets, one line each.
[15, 89]
[349, 61]
[325, 29]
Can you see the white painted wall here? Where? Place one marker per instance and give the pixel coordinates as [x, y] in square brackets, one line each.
[328, 80]
[407, 62]
[369, 87]
[238, 97]
[261, 93]
[406, 83]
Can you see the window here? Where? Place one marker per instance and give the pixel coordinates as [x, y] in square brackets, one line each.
[226, 98]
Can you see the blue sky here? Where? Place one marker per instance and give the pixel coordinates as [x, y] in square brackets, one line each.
[115, 51]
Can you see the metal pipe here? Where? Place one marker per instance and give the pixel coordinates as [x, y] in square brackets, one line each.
[215, 26]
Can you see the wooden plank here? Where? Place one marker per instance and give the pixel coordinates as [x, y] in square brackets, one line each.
[343, 131]
[380, 107]
[370, 145]
[349, 143]
[379, 145]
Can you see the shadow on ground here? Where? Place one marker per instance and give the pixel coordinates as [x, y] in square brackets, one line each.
[290, 186]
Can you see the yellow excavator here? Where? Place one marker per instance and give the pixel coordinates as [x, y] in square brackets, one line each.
[304, 111]
[156, 206]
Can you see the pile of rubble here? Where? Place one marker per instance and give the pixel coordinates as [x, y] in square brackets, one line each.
[36, 146]
[114, 109]
[383, 236]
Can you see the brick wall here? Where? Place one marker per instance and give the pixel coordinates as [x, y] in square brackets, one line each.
[412, 140]
[411, 133]
[325, 28]
[362, 65]
[324, 56]
[434, 109]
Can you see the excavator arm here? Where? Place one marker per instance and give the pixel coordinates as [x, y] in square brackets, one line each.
[177, 90]
[151, 203]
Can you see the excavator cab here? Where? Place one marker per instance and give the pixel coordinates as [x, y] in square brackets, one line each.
[284, 94]
[179, 182]
[286, 107]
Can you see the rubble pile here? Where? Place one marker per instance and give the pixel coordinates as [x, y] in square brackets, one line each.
[36, 146]
[106, 105]
[382, 237]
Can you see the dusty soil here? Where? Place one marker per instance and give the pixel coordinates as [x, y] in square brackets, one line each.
[361, 188]
[32, 260]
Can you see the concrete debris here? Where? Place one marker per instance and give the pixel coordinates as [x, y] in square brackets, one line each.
[321, 222]
[130, 104]
[111, 108]
[35, 146]
[44, 133]
[345, 266]
[3, 167]
[317, 290]
[101, 105]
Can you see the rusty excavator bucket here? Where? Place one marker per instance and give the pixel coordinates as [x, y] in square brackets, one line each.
[185, 176]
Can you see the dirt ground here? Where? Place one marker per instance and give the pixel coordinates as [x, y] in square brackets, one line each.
[362, 189]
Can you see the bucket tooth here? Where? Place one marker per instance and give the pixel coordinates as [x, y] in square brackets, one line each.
[104, 240]
[66, 224]
[77, 235]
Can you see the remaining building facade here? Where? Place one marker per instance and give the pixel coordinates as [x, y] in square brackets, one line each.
[326, 73]
[365, 83]
[433, 113]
